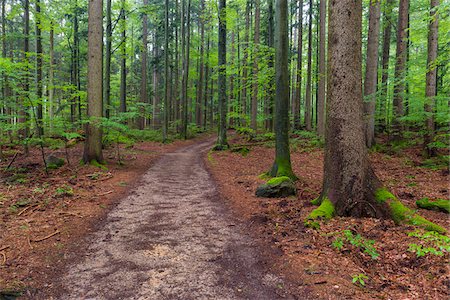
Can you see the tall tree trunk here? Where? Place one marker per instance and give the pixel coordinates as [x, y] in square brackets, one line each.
[431, 78]
[205, 96]
[388, 21]
[245, 58]
[177, 67]
[144, 94]
[254, 105]
[51, 76]
[123, 60]
[371, 78]
[39, 85]
[400, 66]
[186, 45]
[23, 115]
[308, 106]
[166, 74]
[271, 94]
[107, 74]
[298, 82]
[322, 70]
[156, 100]
[75, 68]
[231, 100]
[282, 165]
[93, 143]
[198, 113]
[222, 79]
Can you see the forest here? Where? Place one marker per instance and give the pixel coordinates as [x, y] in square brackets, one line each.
[224, 149]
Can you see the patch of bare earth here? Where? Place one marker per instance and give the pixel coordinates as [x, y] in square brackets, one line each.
[306, 256]
[43, 217]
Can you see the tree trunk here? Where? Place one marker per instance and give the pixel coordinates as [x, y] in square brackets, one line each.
[107, 84]
[245, 59]
[123, 61]
[385, 63]
[51, 75]
[177, 67]
[166, 74]
[400, 66]
[431, 78]
[271, 94]
[205, 96]
[23, 115]
[186, 45]
[93, 143]
[371, 78]
[308, 106]
[156, 100]
[201, 67]
[144, 94]
[254, 105]
[298, 83]
[39, 86]
[282, 165]
[322, 70]
[222, 79]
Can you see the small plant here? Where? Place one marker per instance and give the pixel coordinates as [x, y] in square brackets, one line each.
[367, 246]
[359, 279]
[64, 191]
[431, 243]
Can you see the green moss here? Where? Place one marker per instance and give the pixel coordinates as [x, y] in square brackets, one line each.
[442, 205]
[264, 176]
[278, 180]
[324, 212]
[402, 214]
[97, 164]
[383, 195]
[316, 201]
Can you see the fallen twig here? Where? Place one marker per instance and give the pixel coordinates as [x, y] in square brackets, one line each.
[107, 193]
[25, 209]
[13, 159]
[4, 257]
[4, 248]
[29, 242]
[46, 237]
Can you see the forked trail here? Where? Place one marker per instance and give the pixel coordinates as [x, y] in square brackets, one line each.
[172, 238]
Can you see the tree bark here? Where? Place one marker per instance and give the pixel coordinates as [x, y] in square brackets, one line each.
[282, 164]
[245, 59]
[166, 74]
[308, 106]
[371, 78]
[51, 76]
[93, 143]
[254, 105]
[23, 115]
[431, 78]
[271, 94]
[222, 79]
[186, 45]
[298, 83]
[199, 99]
[385, 63]
[123, 61]
[144, 94]
[39, 86]
[322, 70]
[107, 78]
[400, 67]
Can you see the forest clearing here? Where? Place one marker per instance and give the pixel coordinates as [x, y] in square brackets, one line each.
[214, 149]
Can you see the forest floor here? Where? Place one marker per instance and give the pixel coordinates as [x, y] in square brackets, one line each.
[307, 256]
[44, 218]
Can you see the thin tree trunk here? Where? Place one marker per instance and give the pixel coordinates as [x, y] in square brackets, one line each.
[51, 75]
[222, 79]
[166, 74]
[385, 64]
[371, 78]
[156, 100]
[271, 94]
[107, 74]
[245, 59]
[400, 67]
[254, 105]
[123, 61]
[144, 94]
[298, 83]
[93, 143]
[282, 164]
[23, 115]
[308, 106]
[39, 86]
[205, 100]
[199, 108]
[431, 78]
[322, 70]
[186, 44]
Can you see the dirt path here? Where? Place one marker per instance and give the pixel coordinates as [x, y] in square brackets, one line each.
[172, 238]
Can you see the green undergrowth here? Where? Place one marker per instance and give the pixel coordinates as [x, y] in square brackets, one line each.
[347, 237]
[402, 214]
[429, 243]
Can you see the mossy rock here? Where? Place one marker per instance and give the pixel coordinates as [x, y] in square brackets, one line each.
[54, 162]
[277, 187]
[441, 205]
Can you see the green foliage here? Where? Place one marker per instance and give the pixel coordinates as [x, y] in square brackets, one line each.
[430, 243]
[365, 245]
[64, 190]
[324, 212]
[359, 279]
[246, 131]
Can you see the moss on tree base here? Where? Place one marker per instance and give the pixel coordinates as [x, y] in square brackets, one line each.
[441, 205]
[402, 214]
[324, 212]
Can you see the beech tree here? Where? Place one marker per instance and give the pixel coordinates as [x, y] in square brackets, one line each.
[350, 186]
[93, 143]
[282, 165]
